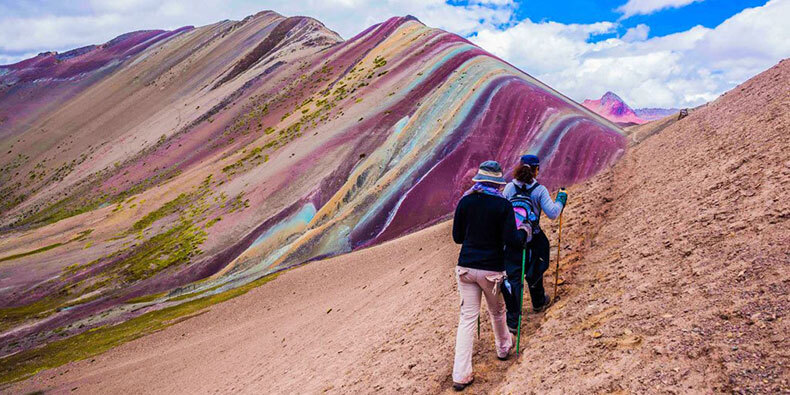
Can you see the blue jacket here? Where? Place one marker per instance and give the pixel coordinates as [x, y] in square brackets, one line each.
[539, 195]
[542, 203]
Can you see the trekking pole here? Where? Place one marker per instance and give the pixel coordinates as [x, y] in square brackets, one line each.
[557, 269]
[521, 301]
[478, 325]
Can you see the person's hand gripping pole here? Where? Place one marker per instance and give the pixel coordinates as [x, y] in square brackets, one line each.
[562, 197]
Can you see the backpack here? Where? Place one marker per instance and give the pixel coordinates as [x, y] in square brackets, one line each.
[524, 208]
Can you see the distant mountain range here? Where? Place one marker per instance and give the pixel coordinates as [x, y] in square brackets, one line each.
[613, 108]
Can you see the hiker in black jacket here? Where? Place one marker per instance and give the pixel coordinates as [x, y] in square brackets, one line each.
[524, 182]
[483, 224]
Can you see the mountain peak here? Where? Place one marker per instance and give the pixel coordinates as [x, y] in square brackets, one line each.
[615, 109]
[609, 95]
[84, 60]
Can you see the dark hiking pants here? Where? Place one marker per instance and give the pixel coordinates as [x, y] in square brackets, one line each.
[536, 265]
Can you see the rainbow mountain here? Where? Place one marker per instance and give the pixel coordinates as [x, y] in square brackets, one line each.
[166, 166]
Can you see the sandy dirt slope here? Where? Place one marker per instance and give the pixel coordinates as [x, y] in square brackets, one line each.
[379, 319]
[676, 280]
[679, 260]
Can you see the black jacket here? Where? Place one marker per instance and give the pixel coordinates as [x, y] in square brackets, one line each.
[483, 225]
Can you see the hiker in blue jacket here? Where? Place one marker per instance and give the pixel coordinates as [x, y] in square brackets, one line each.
[525, 184]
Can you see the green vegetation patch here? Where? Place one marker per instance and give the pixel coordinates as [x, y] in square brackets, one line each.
[238, 203]
[10, 316]
[98, 340]
[173, 247]
[379, 62]
[66, 296]
[67, 207]
[213, 221]
[147, 298]
[80, 236]
[168, 208]
[254, 156]
[84, 200]
[190, 295]
[36, 251]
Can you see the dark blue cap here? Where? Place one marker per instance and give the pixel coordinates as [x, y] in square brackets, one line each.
[530, 160]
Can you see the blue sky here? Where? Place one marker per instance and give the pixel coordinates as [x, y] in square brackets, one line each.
[653, 53]
[709, 13]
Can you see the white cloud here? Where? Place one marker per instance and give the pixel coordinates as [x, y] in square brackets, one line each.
[13, 58]
[541, 46]
[58, 31]
[682, 69]
[349, 19]
[647, 7]
[636, 33]
[54, 25]
[492, 2]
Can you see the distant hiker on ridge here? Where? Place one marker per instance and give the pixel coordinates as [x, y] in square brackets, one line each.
[525, 187]
[484, 222]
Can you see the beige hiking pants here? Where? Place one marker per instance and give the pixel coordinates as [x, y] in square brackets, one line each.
[471, 284]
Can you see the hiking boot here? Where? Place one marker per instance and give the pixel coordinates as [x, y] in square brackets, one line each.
[507, 354]
[546, 303]
[512, 330]
[461, 386]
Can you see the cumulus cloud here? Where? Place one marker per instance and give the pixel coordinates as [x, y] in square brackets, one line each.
[15, 57]
[349, 19]
[636, 33]
[56, 25]
[647, 7]
[682, 69]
